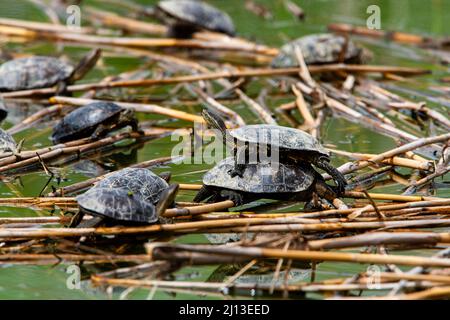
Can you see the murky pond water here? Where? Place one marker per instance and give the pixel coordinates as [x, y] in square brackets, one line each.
[415, 16]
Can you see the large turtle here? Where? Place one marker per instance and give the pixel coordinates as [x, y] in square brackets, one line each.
[120, 206]
[42, 71]
[291, 145]
[185, 17]
[93, 120]
[320, 49]
[263, 180]
[139, 181]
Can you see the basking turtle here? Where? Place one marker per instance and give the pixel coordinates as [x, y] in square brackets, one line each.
[292, 145]
[41, 71]
[120, 206]
[185, 17]
[8, 144]
[93, 120]
[277, 181]
[320, 49]
[139, 181]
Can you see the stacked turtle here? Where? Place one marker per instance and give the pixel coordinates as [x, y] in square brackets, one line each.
[290, 177]
[131, 196]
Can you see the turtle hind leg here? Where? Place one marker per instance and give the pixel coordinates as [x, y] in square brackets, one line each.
[203, 194]
[325, 191]
[181, 31]
[324, 164]
[91, 223]
[61, 89]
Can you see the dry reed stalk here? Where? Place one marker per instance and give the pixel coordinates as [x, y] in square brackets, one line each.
[225, 226]
[395, 161]
[310, 122]
[80, 149]
[396, 36]
[218, 75]
[395, 152]
[262, 113]
[378, 238]
[198, 209]
[155, 248]
[137, 107]
[41, 26]
[111, 19]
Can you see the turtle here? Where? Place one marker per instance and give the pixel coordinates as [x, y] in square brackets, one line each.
[264, 180]
[93, 120]
[8, 144]
[185, 17]
[43, 71]
[292, 145]
[113, 206]
[139, 181]
[320, 49]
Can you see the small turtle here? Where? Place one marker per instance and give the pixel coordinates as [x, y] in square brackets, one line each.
[8, 144]
[139, 181]
[277, 181]
[185, 17]
[320, 49]
[41, 71]
[93, 120]
[120, 206]
[292, 145]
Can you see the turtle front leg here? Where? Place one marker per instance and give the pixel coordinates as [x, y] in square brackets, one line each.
[134, 124]
[203, 194]
[99, 131]
[324, 164]
[234, 196]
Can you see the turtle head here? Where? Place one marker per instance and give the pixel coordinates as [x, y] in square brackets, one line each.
[167, 199]
[127, 115]
[214, 120]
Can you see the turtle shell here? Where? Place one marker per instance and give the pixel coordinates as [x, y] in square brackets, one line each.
[7, 143]
[279, 137]
[83, 121]
[118, 204]
[139, 181]
[261, 177]
[199, 14]
[317, 49]
[33, 72]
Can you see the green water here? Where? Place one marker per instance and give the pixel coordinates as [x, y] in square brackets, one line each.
[49, 282]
